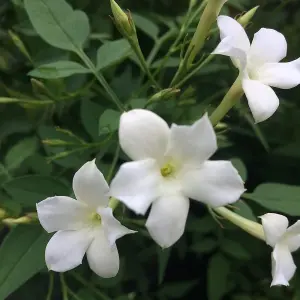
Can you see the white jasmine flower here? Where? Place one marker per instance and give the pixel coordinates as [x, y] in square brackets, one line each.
[170, 166]
[85, 225]
[258, 64]
[284, 240]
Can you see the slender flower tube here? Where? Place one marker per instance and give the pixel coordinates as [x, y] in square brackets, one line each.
[284, 241]
[85, 225]
[170, 166]
[259, 64]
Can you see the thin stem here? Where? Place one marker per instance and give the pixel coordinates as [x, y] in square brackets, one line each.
[193, 72]
[89, 286]
[253, 228]
[51, 285]
[233, 95]
[64, 287]
[137, 49]
[101, 80]
[73, 294]
[113, 164]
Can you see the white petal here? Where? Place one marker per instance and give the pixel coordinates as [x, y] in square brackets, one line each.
[293, 236]
[230, 27]
[66, 249]
[113, 229]
[268, 45]
[90, 186]
[143, 134]
[283, 266]
[103, 259]
[227, 47]
[275, 226]
[192, 144]
[62, 213]
[137, 184]
[262, 100]
[167, 218]
[280, 75]
[215, 183]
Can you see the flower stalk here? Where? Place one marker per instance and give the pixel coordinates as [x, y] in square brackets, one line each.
[253, 228]
[231, 98]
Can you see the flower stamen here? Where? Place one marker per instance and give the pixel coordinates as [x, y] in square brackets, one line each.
[167, 170]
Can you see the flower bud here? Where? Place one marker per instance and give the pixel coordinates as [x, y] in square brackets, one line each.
[28, 219]
[246, 18]
[122, 20]
[164, 94]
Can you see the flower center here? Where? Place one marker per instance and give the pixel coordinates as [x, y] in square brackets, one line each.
[167, 170]
[95, 218]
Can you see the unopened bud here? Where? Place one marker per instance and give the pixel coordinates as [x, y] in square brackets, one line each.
[19, 44]
[122, 20]
[28, 219]
[164, 95]
[246, 18]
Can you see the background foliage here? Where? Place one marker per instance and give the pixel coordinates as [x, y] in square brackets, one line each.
[55, 116]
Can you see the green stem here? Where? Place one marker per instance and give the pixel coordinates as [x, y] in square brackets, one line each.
[253, 228]
[193, 72]
[137, 49]
[50, 288]
[101, 80]
[64, 287]
[113, 164]
[233, 95]
[90, 286]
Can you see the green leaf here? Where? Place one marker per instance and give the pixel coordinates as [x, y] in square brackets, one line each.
[58, 24]
[218, 271]
[109, 121]
[277, 197]
[235, 249]
[177, 290]
[90, 112]
[21, 257]
[58, 69]
[111, 53]
[146, 25]
[240, 166]
[20, 151]
[243, 209]
[29, 190]
[204, 245]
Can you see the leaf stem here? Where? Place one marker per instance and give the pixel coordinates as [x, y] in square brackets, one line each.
[51, 285]
[233, 95]
[101, 80]
[64, 287]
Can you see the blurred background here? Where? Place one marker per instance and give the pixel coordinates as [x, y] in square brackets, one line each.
[214, 260]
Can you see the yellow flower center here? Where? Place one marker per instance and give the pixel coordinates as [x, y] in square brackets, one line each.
[95, 217]
[167, 170]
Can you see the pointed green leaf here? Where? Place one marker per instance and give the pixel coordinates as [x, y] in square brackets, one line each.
[58, 69]
[112, 53]
[29, 190]
[21, 257]
[20, 151]
[58, 24]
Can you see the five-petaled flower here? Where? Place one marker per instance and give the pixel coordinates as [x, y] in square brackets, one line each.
[170, 166]
[258, 64]
[284, 240]
[85, 225]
